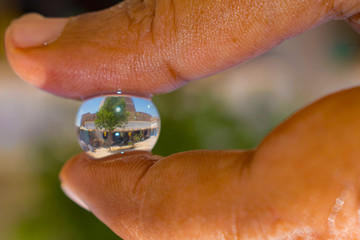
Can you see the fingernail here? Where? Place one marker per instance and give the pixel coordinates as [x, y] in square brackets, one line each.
[74, 197]
[33, 30]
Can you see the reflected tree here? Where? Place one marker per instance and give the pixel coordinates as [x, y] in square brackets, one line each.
[112, 114]
[136, 138]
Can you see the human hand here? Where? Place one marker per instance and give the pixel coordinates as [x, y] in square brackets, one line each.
[291, 186]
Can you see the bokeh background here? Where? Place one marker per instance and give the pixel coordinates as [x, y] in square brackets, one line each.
[231, 110]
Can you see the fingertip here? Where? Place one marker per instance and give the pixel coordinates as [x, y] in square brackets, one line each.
[92, 181]
[34, 30]
[70, 194]
[67, 179]
[64, 173]
[106, 186]
[23, 56]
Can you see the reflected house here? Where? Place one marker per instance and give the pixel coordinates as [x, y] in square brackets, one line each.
[87, 128]
[139, 127]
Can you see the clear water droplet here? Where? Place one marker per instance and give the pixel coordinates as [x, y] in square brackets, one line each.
[118, 123]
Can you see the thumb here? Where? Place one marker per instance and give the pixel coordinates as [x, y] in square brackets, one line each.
[140, 196]
[154, 46]
[301, 182]
[108, 187]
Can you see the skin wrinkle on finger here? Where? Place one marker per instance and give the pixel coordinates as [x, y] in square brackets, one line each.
[354, 22]
[347, 8]
[141, 15]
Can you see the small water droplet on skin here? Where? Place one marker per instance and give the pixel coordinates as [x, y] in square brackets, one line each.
[339, 203]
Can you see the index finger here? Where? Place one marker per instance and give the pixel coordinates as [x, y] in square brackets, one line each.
[151, 47]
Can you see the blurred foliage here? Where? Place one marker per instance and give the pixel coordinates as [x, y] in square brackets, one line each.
[55, 217]
[344, 45]
[201, 121]
[196, 122]
[7, 12]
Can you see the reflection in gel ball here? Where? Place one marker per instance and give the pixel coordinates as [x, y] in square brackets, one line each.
[114, 124]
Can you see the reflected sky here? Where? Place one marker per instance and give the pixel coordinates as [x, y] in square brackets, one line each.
[92, 106]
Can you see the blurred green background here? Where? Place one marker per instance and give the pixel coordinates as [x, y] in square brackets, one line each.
[231, 110]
